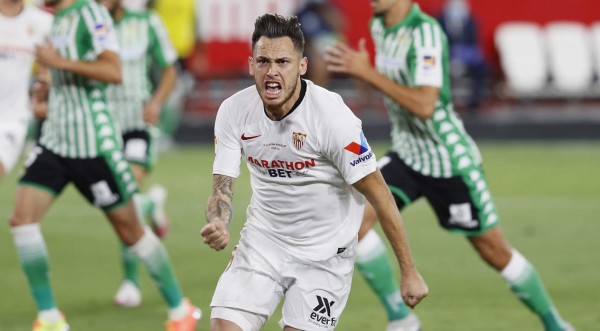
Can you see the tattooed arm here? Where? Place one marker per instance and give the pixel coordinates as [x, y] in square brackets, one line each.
[218, 213]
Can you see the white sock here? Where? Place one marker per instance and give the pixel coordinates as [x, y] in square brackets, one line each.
[516, 268]
[369, 247]
[51, 315]
[27, 235]
[179, 312]
[146, 245]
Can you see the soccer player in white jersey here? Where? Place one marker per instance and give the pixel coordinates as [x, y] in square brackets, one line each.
[311, 172]
[431, 155]
[143, 43]
[81, 144]
[21, 28]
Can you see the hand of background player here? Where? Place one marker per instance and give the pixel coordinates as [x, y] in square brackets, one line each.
[216, 234]
[39, 97]
[151, 112]
[340, 58]
[413, 288]
[46, 55]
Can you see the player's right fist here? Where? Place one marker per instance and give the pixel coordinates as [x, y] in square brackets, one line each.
[215, 234]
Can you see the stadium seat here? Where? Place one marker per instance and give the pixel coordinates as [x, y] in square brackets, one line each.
[570, 57]
[522, 57]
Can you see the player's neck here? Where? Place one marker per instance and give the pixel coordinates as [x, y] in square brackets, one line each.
[397, 13]
[11, 8]
[118, 12]
[63, 5]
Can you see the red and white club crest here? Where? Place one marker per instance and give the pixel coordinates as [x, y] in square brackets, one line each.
[299, 138]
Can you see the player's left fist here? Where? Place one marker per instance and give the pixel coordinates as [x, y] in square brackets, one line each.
[413, 288]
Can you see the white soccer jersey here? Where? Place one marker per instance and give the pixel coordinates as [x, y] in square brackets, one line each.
[18, 37]
[301, 167]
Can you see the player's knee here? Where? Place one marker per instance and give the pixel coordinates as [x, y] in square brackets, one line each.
[231, 319]
[126, 225]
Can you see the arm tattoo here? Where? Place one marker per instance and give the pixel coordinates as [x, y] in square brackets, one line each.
[220, 202]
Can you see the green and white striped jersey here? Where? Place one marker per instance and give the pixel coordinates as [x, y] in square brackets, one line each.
[79, 124]
[414, 52]
[143, 42]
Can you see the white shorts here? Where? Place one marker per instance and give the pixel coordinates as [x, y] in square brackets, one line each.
[12, 138]
[261, 273]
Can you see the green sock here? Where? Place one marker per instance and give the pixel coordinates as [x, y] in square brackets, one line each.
[144, 205]
[130, 265]
[527, 285]
[33, 255]
[374, 265]
[155, 257]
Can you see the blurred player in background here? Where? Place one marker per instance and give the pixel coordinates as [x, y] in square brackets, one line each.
[179, 17]
[81, 144]
[431, 156]
[21, 28]
[143, 43]
[465, 53]
[311, 169]
[322, 23]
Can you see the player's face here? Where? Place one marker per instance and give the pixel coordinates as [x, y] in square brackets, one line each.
[276, 67]
[109, 4]
[380, 7]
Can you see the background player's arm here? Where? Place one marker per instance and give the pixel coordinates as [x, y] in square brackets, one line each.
[373, 187]
[166, 84]
[419, 100]
[106, 68]
[40, 91]
[219, 211]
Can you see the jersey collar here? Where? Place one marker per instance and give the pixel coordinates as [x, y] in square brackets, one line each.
[298, 102]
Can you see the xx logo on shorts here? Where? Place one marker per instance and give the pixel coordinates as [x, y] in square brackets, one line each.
[323, 307]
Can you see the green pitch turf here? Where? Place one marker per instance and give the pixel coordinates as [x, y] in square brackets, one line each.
[548, 196]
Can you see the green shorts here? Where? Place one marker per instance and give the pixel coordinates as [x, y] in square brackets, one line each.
[462, 203]
[105, 181]
[139, 147]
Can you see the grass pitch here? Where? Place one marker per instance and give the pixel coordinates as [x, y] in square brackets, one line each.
[548, 197]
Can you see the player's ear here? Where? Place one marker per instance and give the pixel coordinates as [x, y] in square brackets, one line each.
[250, 66]
[303, 65]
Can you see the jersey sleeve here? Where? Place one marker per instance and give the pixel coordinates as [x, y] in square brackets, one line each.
[101, 28]
[428, 44]
[228, 150]
[346, 146]
[43, 24]
[162, 50]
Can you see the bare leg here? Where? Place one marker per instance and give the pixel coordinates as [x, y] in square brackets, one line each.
[125, 223]
[30, 206]
[149, 249]
[139, 173]
[217, 324]
[492, 248]
[368, 221]
[129, 294]
[522, 277]
[373, 262]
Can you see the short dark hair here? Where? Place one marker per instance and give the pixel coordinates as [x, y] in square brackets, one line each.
[276, 26]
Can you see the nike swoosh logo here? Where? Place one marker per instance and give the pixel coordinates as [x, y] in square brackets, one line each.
[244, 137]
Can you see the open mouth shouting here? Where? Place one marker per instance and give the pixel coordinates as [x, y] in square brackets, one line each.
[272, 90]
